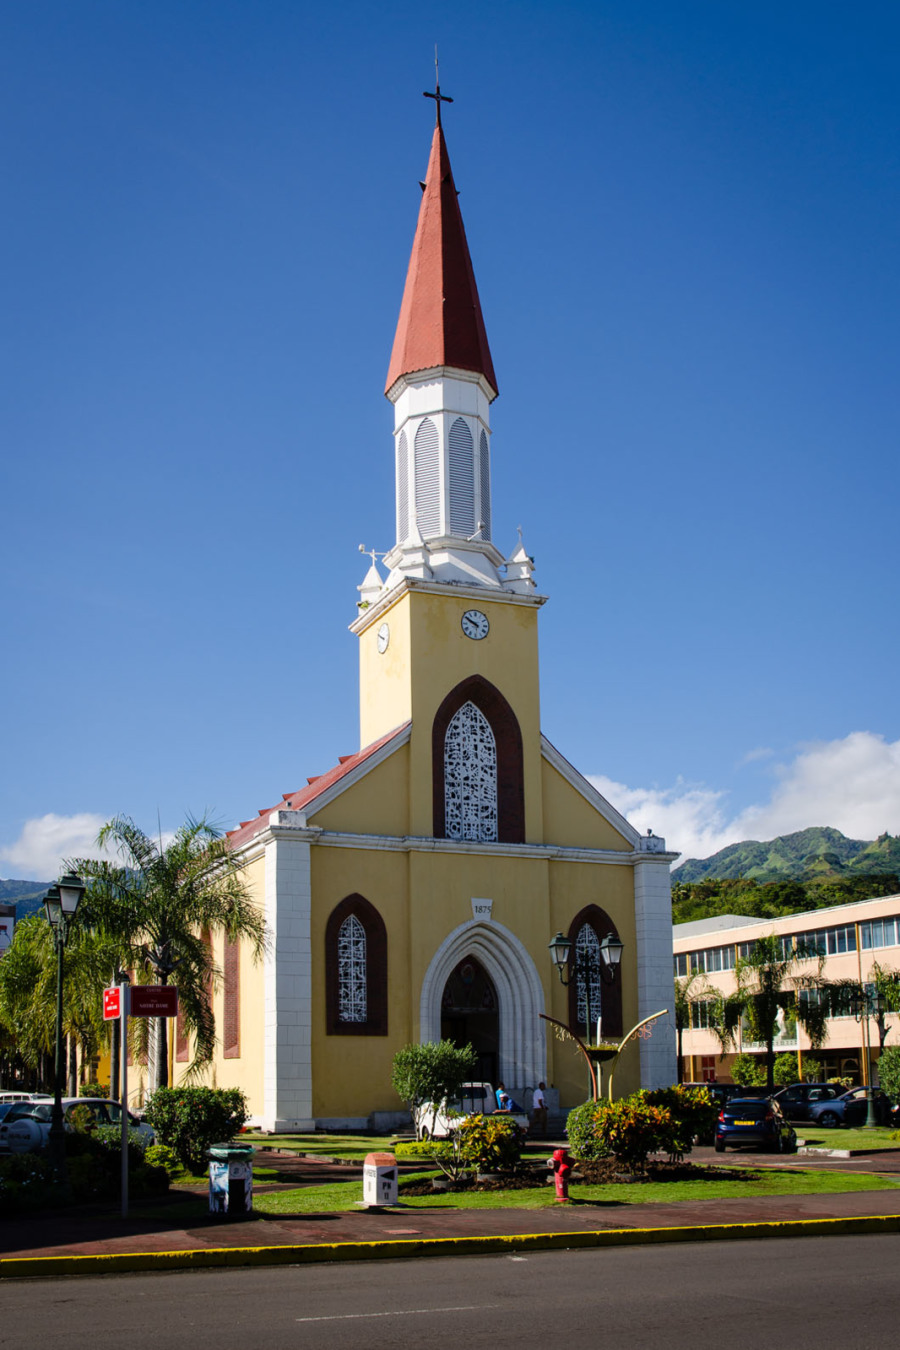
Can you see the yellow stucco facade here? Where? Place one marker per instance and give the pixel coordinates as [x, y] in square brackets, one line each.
[370, 832]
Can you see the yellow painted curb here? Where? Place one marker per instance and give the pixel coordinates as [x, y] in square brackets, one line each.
[211, 1257]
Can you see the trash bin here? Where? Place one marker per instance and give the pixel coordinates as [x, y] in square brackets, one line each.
[379, 1180]
[231, 1179]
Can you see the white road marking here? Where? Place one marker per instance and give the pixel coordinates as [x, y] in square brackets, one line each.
[401, 1312]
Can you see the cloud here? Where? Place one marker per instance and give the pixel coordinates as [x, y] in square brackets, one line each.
[851, 784]
[45, 841]
[752, 756]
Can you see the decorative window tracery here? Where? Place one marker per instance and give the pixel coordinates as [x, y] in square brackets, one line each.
[352, 983]
[587, 965]
[470, 776]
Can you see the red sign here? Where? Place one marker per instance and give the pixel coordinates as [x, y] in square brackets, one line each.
[112, 1003]
[154, 1000]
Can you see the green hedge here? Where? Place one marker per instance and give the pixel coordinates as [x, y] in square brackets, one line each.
[666, 1120]
[189, 1120]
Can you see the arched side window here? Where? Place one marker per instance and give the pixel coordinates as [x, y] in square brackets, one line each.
[484, 474]
[402, 487]
[503, 726]
[462, 480]
[356, 969]
[470, 776]
[594, 990]
[428, 479]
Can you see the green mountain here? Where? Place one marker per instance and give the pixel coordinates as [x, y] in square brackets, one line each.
[818, 853]
[812, 869]
[27, 896]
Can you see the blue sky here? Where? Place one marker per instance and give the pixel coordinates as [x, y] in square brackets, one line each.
[683, 220]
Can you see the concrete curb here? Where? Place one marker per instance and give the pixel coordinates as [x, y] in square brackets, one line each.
[28, 1267]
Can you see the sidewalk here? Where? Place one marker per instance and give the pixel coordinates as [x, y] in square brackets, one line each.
[333, 1236]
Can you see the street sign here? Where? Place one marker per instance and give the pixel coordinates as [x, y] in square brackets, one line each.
[154, 1000]
[112, 1003]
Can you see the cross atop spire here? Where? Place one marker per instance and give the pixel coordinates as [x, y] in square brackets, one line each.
[438, 97]
[440, 320]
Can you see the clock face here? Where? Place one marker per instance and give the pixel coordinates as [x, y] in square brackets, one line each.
[384, 637]
[475, 624]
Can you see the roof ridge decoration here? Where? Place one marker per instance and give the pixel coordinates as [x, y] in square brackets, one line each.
[440, 322]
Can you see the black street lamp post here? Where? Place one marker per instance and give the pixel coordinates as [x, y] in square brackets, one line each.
[611, 948]
[61, 903]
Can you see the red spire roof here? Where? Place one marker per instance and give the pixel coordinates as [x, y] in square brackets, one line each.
[440, 320]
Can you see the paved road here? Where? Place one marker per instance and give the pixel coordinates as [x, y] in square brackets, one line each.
[742, 1295]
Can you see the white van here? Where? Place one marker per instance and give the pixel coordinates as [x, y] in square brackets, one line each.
[475, 1099]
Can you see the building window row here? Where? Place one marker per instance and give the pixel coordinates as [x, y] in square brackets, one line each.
[821, 941]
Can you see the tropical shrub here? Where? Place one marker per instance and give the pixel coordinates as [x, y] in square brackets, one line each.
[490, 1143]
[786, 1069]
[160, 1155]
[190, 1120]
[431, 1072]
[100, 1090]
[748, 1071]
[889, 1071]
[693, 1113]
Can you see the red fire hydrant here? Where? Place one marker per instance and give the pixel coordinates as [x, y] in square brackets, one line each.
[562, 1166]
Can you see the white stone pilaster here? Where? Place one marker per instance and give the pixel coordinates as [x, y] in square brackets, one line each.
[653, 921]
[288, 985]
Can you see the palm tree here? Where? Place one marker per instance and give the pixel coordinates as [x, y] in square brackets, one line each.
[768, 982]
[161, 904]
[28, 974]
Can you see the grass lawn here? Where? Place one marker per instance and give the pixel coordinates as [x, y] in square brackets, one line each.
[815, 1137]
[343, 1195]
[352, 1146]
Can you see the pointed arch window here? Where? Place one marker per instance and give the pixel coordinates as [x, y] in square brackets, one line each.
[356, 969]
[428, 479]
[462, 480]
[594, 992]
[470, 776]
[477, 767]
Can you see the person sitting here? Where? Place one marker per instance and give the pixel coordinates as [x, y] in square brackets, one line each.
[507, 1104]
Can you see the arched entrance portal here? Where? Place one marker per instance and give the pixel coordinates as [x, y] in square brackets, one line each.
[470, 1016]
[521, 1037]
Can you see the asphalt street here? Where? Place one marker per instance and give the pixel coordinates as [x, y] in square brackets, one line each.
[736, 1294]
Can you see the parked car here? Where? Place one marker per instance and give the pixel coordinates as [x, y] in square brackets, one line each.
[851, 1108]
[475, 1099]
[754, 1120]
[796, 1100]
[26, 1126]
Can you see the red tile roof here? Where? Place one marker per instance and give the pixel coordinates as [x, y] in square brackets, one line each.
[299, 800]
[440, 320]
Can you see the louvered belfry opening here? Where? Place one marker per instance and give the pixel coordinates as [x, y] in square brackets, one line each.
[402, 487]
[462, 480]
[484, 476]
[428, 479]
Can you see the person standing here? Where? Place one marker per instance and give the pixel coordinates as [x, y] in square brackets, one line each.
[539, 1109]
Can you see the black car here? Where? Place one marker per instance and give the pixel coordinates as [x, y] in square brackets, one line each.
[795, 1101]
[754, 1120]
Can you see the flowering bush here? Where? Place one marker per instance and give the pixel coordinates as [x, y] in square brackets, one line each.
[476, 1144]
[189, 1120]
[663, 1121]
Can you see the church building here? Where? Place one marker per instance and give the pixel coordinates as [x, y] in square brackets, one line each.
[411, 891]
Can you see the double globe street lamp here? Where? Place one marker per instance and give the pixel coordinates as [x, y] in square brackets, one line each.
[611, 948]
[61, 904]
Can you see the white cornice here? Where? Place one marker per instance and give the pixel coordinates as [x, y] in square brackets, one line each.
[595, 798]
[283, 828]
[414, 377]
[484, 594]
